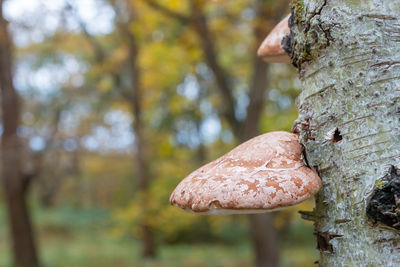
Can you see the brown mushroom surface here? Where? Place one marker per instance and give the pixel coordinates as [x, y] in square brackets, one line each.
[271, 48]
[263, 174]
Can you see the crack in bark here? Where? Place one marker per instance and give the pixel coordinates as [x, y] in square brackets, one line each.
[377, 16]
[323, 241]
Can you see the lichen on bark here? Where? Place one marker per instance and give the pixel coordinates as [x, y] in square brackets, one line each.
[347, 53]
[312, 34]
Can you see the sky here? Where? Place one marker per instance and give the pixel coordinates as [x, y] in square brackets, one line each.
[97, 16]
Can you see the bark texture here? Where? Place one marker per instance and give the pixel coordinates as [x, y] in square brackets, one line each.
[15, 186]
[347, 52]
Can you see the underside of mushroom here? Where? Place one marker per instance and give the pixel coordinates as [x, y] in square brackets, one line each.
[271, 49]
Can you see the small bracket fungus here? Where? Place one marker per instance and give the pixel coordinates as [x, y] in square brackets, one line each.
[271, 49]
[263, 174]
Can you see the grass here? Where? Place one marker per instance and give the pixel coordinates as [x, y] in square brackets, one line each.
[82, 238]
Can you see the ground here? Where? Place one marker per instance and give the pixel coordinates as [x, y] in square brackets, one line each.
[90, 242]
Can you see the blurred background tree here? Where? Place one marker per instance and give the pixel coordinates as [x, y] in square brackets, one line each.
[122, 99]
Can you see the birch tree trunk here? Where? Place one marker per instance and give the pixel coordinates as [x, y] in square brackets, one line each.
[348, 56]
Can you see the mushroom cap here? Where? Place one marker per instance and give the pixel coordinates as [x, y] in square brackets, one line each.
[271, 48]
[263, 174]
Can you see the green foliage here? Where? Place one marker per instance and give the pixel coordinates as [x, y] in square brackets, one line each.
[86, 237]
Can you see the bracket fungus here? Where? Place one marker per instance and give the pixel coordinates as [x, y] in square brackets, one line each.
[263, 174]
[271, 49]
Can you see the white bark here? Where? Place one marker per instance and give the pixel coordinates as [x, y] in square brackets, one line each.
[348, 55]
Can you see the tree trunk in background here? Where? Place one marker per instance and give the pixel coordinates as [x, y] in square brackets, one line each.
[142, 169]
[134, 96]
[15, 186]
[268, 13]
[264, 234]
[348, 57]
[265, 240]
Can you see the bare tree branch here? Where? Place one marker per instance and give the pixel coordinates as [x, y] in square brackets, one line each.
[200, 24]
[168, 12]
[211, 56]
[98, 50]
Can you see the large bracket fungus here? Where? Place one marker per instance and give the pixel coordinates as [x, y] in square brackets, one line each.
[263, 174]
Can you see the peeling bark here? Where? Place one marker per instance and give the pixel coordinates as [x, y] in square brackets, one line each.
[347, 53]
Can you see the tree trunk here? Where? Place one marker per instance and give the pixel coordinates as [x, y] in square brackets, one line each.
[265, 243]
[15, 186]
[263, 232]
[264, 235]
[348, 57]
[141, 163]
